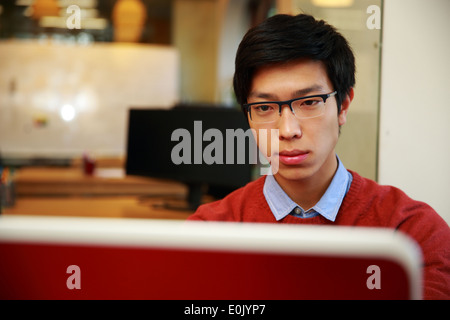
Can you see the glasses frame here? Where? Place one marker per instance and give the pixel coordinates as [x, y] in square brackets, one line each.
[289, 103]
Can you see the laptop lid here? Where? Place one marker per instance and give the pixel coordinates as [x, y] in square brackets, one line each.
[108, 258]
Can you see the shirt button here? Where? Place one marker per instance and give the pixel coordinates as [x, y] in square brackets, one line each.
[298, 210]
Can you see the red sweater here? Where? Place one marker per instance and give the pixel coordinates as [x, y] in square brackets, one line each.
[366, 204]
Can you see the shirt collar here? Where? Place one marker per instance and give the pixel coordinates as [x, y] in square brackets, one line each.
[328, 206]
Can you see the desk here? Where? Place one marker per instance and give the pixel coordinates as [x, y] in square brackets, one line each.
[56, 181]
[98, 206]
[57, 191]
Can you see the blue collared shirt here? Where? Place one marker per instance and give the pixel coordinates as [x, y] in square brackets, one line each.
[328, 206]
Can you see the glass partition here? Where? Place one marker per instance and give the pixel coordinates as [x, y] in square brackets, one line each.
[360, 22]
[64, 90]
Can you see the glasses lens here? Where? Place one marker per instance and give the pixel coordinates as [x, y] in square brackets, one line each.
[308, 108]
[265, 112]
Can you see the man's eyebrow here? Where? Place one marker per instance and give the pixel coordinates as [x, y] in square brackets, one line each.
[307, 91]
[296, 94]
[262, 95]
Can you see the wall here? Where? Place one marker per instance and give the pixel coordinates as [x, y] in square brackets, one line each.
[415, 105]
[196, 27]
[236, 23]
[100, 82]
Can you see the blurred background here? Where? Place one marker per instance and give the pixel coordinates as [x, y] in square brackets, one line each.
[65, 89]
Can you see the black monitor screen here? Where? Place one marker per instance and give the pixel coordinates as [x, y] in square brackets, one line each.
[194, 145]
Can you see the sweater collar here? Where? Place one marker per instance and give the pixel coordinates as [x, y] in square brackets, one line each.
[328, 206]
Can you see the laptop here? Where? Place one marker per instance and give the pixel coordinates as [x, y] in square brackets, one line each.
[45, 257]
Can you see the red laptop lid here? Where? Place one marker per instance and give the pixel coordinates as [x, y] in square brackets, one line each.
[105, 258]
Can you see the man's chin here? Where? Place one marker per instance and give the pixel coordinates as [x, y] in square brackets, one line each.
[293, 173]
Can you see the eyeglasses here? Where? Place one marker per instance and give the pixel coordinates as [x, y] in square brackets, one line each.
[302, 108]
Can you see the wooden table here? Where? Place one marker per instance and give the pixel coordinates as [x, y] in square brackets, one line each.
[107, 193]
[98, 206]
[52, 181]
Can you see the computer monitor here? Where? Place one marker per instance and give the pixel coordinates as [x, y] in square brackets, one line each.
[190, 144]
[114, 258]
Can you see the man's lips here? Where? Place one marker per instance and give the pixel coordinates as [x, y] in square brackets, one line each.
[292, 157]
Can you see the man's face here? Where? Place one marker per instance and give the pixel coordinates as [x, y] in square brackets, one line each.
[306, 147]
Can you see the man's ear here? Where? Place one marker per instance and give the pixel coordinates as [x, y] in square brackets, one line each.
[342, 117]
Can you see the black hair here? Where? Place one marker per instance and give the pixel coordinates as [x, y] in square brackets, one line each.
[284, 38]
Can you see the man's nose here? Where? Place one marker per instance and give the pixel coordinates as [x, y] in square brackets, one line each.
[289, 124]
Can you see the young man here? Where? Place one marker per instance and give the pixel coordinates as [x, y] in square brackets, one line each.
[295, 75]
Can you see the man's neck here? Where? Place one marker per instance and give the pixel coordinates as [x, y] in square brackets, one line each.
[307, 192]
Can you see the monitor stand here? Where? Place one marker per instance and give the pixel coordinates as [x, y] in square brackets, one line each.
[190, 203]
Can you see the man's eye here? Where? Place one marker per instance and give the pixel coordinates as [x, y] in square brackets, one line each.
[263, 108]
[311, 102]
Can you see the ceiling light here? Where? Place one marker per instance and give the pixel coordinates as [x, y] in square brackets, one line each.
[332, 3]
[45, 8]
[67, 112]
